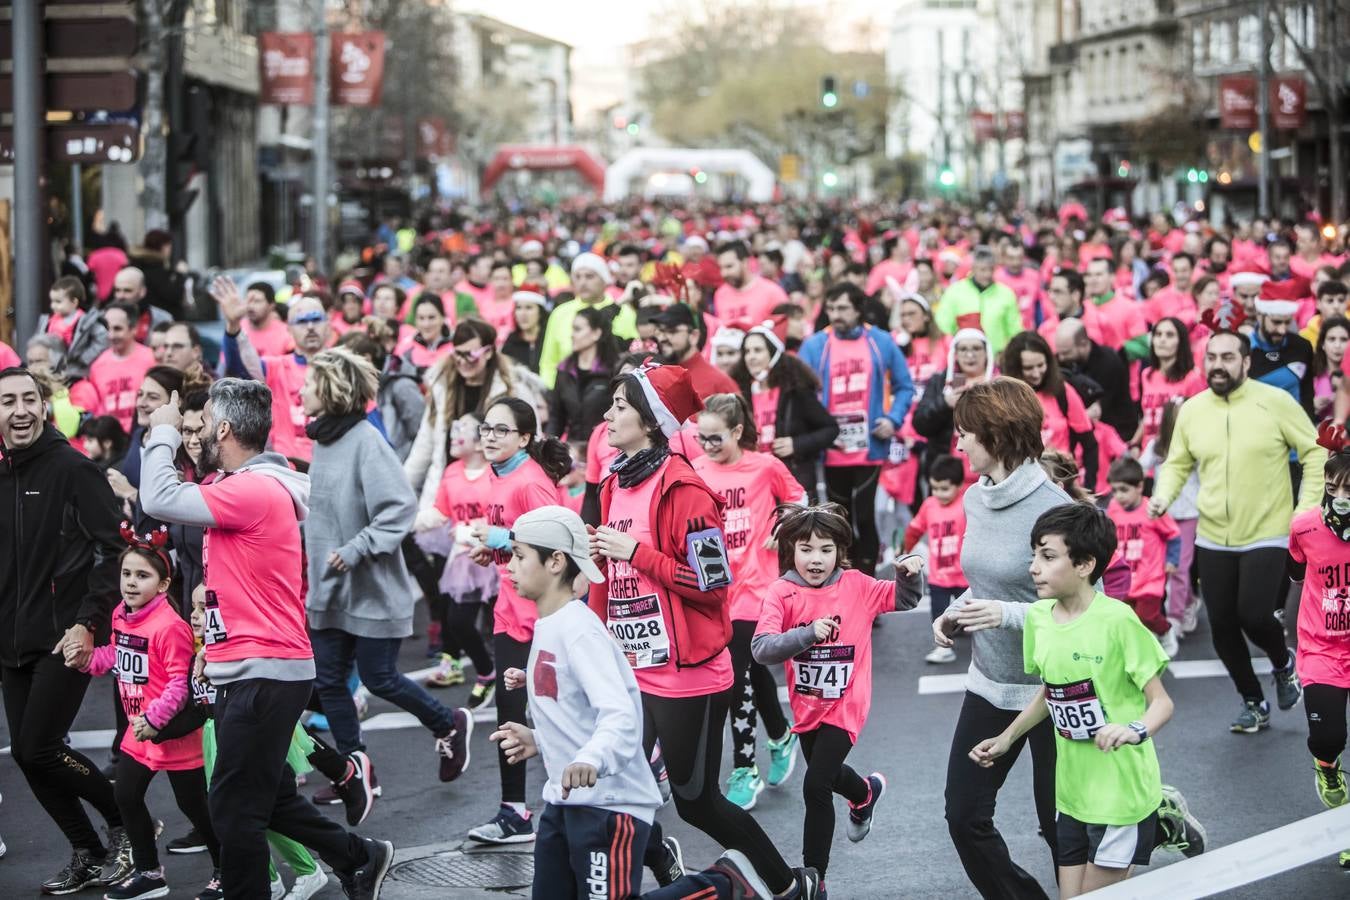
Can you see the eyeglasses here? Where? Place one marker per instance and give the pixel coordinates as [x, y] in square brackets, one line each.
[711, 440]
[500, 431]
[471, 356]
[309, 318]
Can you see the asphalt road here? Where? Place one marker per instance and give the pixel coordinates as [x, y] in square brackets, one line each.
[1239, 786]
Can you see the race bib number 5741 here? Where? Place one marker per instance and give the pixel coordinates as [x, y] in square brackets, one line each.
[823, 671]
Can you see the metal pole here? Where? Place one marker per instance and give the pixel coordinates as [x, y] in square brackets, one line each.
[77, 206]
[321, 162]
[30, 240]
[1263, 113]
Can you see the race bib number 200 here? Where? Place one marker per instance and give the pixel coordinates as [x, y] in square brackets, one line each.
[1075, 709]
[823, 671]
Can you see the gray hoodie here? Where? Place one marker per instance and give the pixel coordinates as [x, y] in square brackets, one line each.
[995, 558]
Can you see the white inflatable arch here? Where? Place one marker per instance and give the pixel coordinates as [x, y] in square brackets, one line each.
[635, 163]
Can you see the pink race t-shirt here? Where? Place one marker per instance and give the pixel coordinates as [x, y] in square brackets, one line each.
[117, 379]
[273, 339]
[1155, 392]
[1324, 606]
[151, 658]
[423, 357]
[462, 499]
[850, 397]
[1169, 301]
[832, 681]
[638, 611]
[253, 561]
[1143, 543]
[887, 268]
[481, 296]
[527, 487]
[599, 454]
[752, 486]
[8, 358]
[1057, 425]
[1026, 285]
[64, 326]
[500, 314]
[765, 403]
[945, 527]
[1121, 318]
[751, 304]
[286, 378]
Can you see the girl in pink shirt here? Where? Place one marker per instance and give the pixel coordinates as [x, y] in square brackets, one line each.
[1170, 376]
[752, 484]
[151, 656]
[817, 619]
[1066, 425]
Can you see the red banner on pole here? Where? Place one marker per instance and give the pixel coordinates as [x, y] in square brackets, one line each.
[982, 124]
[1237, 102]
[1288, 102]
[1015, 125]
[433, 138]
[357, 68]
[286, 68]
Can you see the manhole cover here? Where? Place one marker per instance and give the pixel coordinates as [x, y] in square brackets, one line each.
[482, 870]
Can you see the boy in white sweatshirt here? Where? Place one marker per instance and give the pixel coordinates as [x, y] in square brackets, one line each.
[600, 795]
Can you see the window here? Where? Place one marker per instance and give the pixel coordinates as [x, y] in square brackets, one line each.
[1221, 42]
[1249, 39]
[1199, 45]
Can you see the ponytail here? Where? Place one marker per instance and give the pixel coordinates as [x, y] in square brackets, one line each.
[732, 409]
[551, 454]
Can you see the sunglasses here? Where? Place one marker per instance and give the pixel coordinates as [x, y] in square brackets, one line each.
[471, 356]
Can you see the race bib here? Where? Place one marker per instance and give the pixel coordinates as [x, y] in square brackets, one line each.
[1134, 550]
[899, 452]
[133, 658]
[213, 626]
[852, 432]
[203, 692]
[1075, 709]
[823, 671]
[641, 632]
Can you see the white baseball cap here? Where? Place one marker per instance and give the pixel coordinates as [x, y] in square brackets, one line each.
[558, 528]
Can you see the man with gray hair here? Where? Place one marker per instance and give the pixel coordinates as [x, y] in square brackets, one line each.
[978, 301]
[257, 653]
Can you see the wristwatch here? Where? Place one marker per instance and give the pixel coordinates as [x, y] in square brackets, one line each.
[1140, 729]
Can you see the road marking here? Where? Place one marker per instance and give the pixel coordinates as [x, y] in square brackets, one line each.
[1182, 668]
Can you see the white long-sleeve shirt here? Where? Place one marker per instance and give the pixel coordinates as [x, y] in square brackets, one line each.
[587, 709]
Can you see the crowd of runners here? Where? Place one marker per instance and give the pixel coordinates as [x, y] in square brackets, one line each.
[642, 463]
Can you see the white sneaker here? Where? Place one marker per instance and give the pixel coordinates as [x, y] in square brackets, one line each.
[1190, 619]
[278, 889]
[1169, 642]
[307, 886]
[941, 655]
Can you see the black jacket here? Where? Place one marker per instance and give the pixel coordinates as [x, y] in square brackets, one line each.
[1105, 367]
[578, 402]
[59, 545]
[933, 418]
[522, 351]
[802, 417]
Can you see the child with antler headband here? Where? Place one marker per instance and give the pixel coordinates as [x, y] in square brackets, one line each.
[151, 657]
[1319, 546]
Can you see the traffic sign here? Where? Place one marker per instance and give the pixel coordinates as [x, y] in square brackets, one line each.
[80, 142]
[80, 92]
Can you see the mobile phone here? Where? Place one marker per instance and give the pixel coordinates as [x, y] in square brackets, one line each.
[958, 380]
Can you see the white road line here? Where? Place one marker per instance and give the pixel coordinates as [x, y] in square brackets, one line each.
[1183, 668]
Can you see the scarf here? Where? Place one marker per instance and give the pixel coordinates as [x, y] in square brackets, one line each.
[635, 469]
[506, 468]
[1338, 522]
[327, 429]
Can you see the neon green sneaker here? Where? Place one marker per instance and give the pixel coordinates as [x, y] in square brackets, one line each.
[1344, 860]
[448, 672]
[743, 787]
[1330, 784]
[782, 758]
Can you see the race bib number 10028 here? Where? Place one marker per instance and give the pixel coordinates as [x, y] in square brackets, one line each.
[641, 632]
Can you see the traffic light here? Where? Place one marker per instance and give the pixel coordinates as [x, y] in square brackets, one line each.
[1204, 176]
[946, 177]
[829, 179]
[620, 121]
[700, 176]
[1192, 175]
[828, 97]
[634, 128]
[1123, 170]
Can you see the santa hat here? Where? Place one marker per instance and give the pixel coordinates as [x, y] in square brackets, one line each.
[530, 293]
[351, 286]
[1284, 293]
[728, 336]
[775, 332]
[1248, 278]
[594, 263]
[970, 334]
[669, 393]
[531, 246]
[695, 240]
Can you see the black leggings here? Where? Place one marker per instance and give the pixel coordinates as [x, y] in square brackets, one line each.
[189, 792]
[827, 774]
[1239, 590]
[1325, 706]
[511, 654]
[690, 731]
[753, 680]
[41, 700]
[855, 489]
[459, 630]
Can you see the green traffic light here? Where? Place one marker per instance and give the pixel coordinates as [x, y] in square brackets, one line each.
[829, 100]
[947, 178]
[1192, 176]
[829, 179]
[700, 177]
[633, 128]
[1204, 176]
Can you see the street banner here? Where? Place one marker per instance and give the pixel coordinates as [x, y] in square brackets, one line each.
[1288, 102]
[286, 68]
[1015, 125]
[982, 124]
[357, 68]
[1237, 102]
[434, 138]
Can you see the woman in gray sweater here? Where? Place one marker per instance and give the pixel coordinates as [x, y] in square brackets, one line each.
[360, 601]
[999, 428]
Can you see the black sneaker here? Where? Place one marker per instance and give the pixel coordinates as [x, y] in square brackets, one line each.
[671, 868]
[453, 748]
[364, 883]
[139, 886]
[507, 827]
[1288, 689]
[117, 866]
[192, 842]
[358, 791]
[860, 818]
[810, 886]
[745, 881]
[213, 890]
[84, 870]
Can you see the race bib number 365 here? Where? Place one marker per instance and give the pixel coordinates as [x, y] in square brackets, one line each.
[1075, 709]
[823, 671]
[638, 627]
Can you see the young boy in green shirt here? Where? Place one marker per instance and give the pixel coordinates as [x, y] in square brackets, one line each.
[1102, 672]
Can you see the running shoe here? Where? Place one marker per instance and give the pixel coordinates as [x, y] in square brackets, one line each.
[671, 868]
[1344, 859]
[940, 656]
[745, 881]
[277, 889]
[213, 890]
[192, 842]
[1171, 644]
[453, 746]
[139, 886]
[1330, 784]
[744, 786]
[358, 790]
[448, 673]
[1288, 689]
[1190, 619]
[82, 871]
[361, 699]
[483, 688]
[810, 886]
[1253, 718]
[1181, 830]
[507, 827]
[782, 758]
[364, 883]
[307, 886]
[860, 818]
[117, 865]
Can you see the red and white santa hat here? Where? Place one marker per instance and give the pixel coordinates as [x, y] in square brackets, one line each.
[775, 332]
[669, 393]
[1248, 277]
[1281, 298]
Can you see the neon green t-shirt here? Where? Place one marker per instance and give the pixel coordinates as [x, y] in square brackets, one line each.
[1095, 669]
